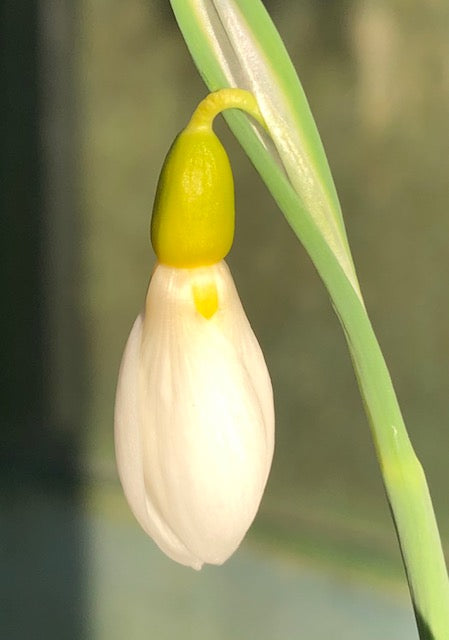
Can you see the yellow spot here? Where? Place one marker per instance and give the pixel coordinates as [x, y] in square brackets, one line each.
[205, 297]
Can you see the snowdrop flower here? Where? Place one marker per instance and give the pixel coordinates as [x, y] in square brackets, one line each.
[194, 419]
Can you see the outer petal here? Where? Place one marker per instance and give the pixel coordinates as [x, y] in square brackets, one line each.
[194, 418]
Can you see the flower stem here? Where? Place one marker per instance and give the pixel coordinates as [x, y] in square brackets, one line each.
[404, 481]
[402, 473]
[217, 101]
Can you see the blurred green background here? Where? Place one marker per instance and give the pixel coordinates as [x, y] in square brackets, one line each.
[93, 94]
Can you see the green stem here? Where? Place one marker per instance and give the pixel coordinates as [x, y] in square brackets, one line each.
[403, 476]
[404, 479]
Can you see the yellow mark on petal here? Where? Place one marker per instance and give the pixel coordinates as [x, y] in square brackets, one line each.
[205, 297]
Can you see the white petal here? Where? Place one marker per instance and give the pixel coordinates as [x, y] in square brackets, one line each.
[194, 418]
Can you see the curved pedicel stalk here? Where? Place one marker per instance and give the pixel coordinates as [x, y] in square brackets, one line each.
[235, 44]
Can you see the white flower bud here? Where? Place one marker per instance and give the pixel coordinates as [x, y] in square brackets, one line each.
[194, 419]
